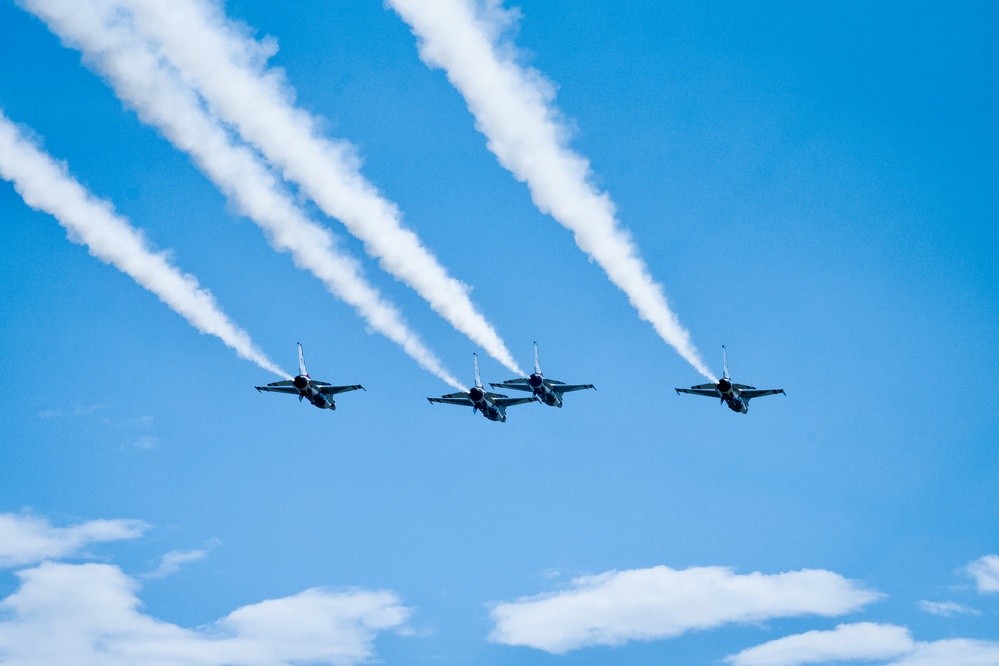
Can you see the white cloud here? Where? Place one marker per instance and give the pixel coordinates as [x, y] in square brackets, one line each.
[27, 539]
[94, 612]
[864, 640]
[985, 571]
[171, 562]
[646, 604]
[952, 652]
[947, 608]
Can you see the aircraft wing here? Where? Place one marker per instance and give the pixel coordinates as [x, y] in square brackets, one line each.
[712, 393]
[513, 387]
[509, 402]
[333, 390]
[454, 399]
[703, 386]
[749, 395]
[567, 388]
[516, 384]
[277, 387]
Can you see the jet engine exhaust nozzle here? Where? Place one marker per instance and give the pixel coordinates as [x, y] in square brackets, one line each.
[724, 386]
[535, 381]
[476, 395]
[300, 382]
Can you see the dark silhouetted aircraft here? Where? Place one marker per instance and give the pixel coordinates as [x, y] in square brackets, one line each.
[318, 393]
[548, 391]
[492, 405]
[736, 396]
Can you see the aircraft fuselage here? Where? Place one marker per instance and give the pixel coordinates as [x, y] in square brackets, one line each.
[307, 390]
[547, 396]
[482, 403]
[731, 396]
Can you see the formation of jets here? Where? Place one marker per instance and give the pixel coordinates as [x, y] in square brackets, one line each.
[493, 406]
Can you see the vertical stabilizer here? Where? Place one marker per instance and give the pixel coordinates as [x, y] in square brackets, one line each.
[478, 382]
[537, 363]
[725, 362]
[301, 362]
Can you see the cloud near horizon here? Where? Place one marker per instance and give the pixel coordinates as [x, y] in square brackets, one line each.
[94, 610]
[615, 607]
[868, 642]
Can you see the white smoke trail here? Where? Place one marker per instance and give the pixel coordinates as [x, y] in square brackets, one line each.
[152, 88]
[513, 107]
[228, 69]
[46, 185]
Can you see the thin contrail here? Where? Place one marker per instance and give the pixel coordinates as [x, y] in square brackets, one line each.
[217, 58]
[514, 108]
[152, 88]
[46, 185]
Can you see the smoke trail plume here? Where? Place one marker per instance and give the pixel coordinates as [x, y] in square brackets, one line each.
[228, 69]
[513, 107]
[47, 186]
[152, 88]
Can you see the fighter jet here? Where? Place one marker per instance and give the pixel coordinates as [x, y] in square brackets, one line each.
[492, 405]
[548, 391]
[736, 396]
[318, 393]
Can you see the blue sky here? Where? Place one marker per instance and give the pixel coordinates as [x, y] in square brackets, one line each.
[814, 187]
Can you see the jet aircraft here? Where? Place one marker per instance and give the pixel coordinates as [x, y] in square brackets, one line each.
[548, 391]
[318, 393]
[492, 405]
[736, 396]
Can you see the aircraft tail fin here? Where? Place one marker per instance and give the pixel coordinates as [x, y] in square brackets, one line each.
[301, 362]
[537, 363]
[478, 381]
[725, 362]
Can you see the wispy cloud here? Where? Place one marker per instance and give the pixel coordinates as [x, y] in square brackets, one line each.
[143, 81]
[217, 58]
[46, 185]
[985, 571]
[25, 539]
[79, 410]
[947, 608]
[647, 604]
[93, 611]
[170, 563]
[868, 642]
[514, 108]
